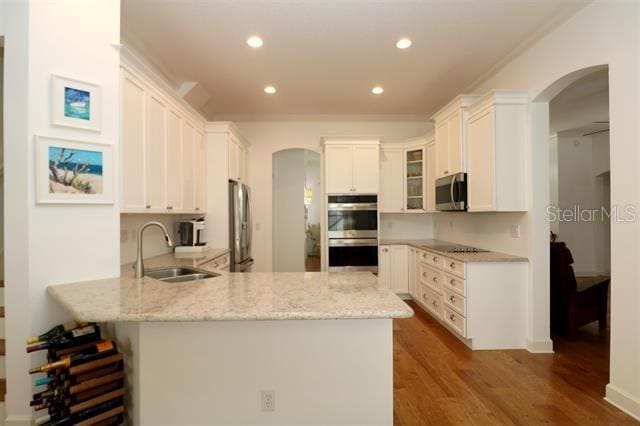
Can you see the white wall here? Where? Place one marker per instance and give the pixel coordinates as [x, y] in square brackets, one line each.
[603, 32]
[52, 243]
[289, 173]
[154, 243]
[579, 186]
[406, 226]
[268, 137]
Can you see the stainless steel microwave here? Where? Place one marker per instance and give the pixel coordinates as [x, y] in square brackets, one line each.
[451, 193]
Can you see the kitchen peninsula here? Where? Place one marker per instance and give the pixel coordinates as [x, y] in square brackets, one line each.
[321, 343]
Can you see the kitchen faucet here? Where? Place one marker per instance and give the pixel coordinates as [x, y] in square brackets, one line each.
[139, 263]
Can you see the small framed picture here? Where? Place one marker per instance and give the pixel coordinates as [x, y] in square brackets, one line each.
[75, 103]
[73, 171]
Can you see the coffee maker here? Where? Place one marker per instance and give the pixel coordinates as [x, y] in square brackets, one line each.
[190, 235]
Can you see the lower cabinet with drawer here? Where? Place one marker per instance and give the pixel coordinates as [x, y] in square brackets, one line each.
[483, 303]
[220, 263]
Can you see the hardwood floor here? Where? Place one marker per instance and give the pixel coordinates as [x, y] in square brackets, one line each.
[439, 381]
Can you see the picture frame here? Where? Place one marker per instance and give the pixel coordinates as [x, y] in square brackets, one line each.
[73, 172]
[76, 103]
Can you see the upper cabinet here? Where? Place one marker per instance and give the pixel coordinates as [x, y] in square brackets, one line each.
[237, 159]
[227, 141]
[404, 176]
[414, 177]
[351, 167]
[496, 152]
[450, 136]
[430, 181]
[163, 161]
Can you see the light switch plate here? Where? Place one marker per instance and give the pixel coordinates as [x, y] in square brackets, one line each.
[515, 231]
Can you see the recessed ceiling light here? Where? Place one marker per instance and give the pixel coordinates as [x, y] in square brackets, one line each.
[404, 43]
[254, 41]
[377, 90]
[270, 90]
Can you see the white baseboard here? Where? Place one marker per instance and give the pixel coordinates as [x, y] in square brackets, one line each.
[18, 421]
[540, 346]
[623, 401]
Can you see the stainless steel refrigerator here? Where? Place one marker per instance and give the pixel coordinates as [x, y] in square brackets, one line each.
[240, 224]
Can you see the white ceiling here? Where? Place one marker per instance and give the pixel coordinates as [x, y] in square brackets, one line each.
[324, 56]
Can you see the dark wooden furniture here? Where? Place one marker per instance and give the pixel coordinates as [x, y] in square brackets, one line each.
[575, 301]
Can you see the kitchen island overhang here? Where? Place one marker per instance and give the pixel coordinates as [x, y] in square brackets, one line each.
[204, 352]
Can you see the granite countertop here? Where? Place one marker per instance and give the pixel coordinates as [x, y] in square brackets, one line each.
[230, 296]
[428, 245]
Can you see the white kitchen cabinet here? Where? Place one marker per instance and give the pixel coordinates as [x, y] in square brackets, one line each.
[391, 197]
[414, 178]
[450, 135]
[174, 165]
[237, 159]
[393, 268]
[158, 146]
[188, 166]
[132, 139]
[200, 172]
[155, 148]
[351, 167]
[496, 133]
[411, 272]
[430, 181]
[480, 302]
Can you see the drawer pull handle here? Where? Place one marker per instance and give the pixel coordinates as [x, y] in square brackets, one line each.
[424, 297]
[169, 207]
[452, 318]
[385, 250]
[453, 282]
[435, 303]
[424, 274]
[435, 280]
[435, 259]
[453, 299]
[452, 265]
[148, 206]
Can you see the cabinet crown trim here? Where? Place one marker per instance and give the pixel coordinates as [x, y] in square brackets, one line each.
[350, 140]
[499, 97]
[459, 102]
[228, 127]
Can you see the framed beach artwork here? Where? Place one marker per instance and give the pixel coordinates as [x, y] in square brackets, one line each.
[75, 103]
[73, 171]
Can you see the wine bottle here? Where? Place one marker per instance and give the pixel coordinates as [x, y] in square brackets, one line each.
[58, 329]
[67, 388]
[99, 350]
[65, 399]
[64, 417]
[42, 381]
[68, 338]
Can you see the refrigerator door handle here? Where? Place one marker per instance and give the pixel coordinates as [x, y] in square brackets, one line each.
[249, 223]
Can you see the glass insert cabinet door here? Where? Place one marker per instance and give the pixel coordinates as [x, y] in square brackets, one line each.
[414, 179]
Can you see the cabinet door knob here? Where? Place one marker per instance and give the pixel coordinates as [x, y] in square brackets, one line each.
[452, 265]
[435, 259]
[169, 207]
[385, 250]
[453, 282]
[452, 299]
[452, 318]
[148, 206]
[424, 274]
[435, 280]
[435, 303]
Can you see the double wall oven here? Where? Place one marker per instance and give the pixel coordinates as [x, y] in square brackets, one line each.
[352, 227]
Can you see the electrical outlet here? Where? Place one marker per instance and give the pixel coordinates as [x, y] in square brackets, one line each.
[268, 400]
[123, 236]
[515, 231]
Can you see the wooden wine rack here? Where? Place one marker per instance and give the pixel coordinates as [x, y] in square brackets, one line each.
[93, 392]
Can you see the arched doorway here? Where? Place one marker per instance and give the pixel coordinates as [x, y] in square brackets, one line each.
[297, 211]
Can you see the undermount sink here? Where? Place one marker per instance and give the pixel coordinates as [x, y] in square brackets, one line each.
[179, 274]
